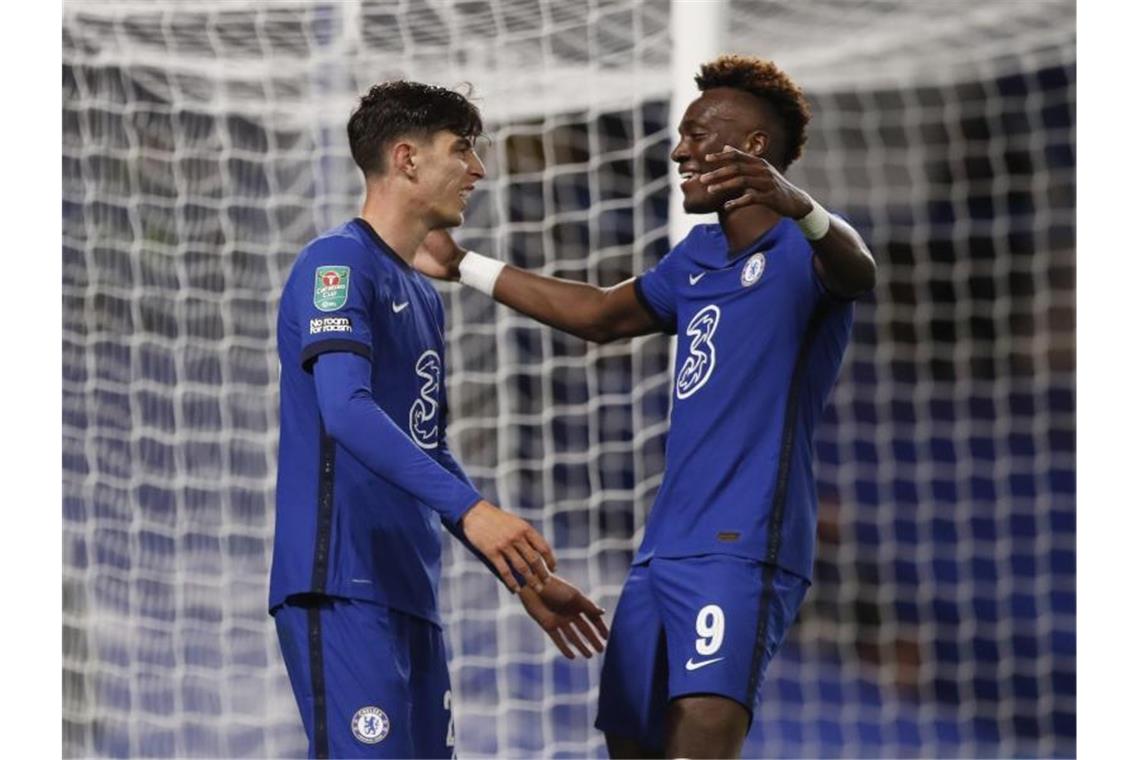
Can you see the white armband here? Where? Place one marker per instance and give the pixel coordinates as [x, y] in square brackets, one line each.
[816, 223]
[480, 272]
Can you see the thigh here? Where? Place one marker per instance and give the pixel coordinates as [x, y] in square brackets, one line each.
[292, 624]
[632, 696]
[433, 731]
[705, 725]
[351, 678]
[724, 618]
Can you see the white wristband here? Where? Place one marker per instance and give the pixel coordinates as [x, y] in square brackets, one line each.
[815, 224]
[480, 272]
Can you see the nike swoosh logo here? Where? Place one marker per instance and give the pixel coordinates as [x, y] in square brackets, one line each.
[695, 278]
[690, 665]
[398, 307]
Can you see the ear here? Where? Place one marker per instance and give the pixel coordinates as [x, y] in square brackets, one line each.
[757, 143]
[404, 158]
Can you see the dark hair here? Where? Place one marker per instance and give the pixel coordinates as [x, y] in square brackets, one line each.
[406, 109]
[764, 80]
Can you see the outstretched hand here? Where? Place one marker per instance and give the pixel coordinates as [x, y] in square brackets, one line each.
[748, 180]
[568, 616]
[438, 256]
[509, 542]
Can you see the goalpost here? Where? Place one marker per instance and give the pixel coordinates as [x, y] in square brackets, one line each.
[203, 146]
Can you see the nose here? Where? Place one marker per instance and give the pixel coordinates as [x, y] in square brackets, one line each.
[476, 167]
[680, 153]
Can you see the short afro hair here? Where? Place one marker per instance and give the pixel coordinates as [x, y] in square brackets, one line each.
[407, 109]
[766, 81]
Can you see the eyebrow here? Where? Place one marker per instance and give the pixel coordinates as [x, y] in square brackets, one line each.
[691, 124]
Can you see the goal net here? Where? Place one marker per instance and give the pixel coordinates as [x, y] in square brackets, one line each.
[204, 145]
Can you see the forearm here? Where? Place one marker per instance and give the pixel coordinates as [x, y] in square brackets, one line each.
[352, 418]
[448, 462]
[587, 311]
[574, 307]
[850, 268]
[842, 259]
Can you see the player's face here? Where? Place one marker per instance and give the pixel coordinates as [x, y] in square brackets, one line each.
[719, 117]
[450, 171]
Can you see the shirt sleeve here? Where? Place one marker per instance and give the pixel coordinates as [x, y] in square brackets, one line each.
[353, 419]
[337, 296]
[447, 460]
[656, 290]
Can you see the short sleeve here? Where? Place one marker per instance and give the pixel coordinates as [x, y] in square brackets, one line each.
[657, 293]
[334, 299]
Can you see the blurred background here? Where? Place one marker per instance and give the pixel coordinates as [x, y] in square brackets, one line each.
[204, 144]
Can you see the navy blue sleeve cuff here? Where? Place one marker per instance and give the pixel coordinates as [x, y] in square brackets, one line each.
[666, 327]
[313, 350]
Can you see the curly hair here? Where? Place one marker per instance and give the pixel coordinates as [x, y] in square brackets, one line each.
[766, 81]
[407, 109]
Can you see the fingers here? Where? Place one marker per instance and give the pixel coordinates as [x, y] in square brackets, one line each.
[522, 567]
[600, 623]
[730, 152]
[504, 571]
[536, 563]
[723, 173]
[587, 631]
[539, 543]
[555, 635]
[747, 198]
[737, 177]
[589, 608]
[736, 183]
[572, 635]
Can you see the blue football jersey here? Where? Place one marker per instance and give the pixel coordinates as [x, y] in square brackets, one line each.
[341, 529]
[759, 346]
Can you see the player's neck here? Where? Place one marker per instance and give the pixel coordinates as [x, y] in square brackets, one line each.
[743, 226]
[401, 230]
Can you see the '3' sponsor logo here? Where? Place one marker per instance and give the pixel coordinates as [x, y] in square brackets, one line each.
[701, 360]
[423, 419]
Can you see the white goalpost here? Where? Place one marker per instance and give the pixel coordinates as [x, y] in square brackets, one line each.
[204, 145]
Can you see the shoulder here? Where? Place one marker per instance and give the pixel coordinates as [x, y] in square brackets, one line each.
[702, 238]
[342, 241]
[343, 251]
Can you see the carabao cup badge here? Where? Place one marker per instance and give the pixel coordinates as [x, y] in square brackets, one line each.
[752, 270]
[330, 292]
[370, 725]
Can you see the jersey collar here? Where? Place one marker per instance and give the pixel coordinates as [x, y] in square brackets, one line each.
[711, 247]
[379, 241]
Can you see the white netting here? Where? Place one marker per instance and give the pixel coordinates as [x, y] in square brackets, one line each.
[204, 145]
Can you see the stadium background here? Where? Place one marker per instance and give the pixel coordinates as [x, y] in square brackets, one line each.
[203, 146]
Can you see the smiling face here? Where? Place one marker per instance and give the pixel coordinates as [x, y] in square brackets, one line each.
[720, 117]
[449, 167]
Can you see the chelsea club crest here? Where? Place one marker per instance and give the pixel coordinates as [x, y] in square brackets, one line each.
[752, 270]
[370, 725]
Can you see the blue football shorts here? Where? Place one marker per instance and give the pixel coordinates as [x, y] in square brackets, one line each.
[695, 625]
[370, 681]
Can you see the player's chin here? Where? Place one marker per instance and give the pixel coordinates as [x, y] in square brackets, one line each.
[448, 219]
[701, 204]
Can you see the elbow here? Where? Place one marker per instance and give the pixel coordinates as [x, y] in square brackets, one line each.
[861, 281]
[334, 417]
[598, 323]
[600, 334]
[871, 273]
[867, 279]
[337, 417]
